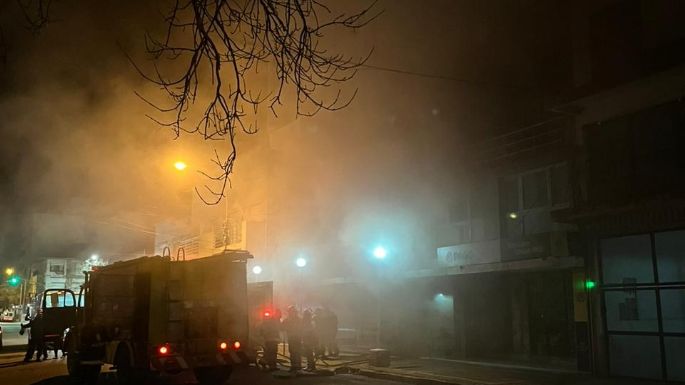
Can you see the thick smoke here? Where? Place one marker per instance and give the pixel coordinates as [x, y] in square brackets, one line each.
[75, 139]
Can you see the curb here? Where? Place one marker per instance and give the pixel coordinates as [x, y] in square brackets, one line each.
[507, 366]
[415, 379]
[13, 348]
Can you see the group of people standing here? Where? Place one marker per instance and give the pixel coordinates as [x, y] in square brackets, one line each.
[36, 341]
[312, 335]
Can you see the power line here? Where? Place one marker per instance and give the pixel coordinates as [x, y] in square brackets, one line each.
[446, 77]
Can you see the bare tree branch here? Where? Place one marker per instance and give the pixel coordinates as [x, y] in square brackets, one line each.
[36, 13]
[233, 40]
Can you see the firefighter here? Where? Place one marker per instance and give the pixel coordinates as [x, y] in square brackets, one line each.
[36, 343]
[292, 325]
[326, 325]
[319, 327]
[270, 332]
[309, 340]
[331, 333]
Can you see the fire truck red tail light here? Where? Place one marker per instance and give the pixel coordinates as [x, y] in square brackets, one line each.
[236, 345]
[223, 345]
[164, 350]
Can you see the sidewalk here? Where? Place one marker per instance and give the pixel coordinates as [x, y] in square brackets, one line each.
[436, 371]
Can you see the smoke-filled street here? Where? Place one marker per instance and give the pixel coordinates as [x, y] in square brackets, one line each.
[426, 191]
[53, 372]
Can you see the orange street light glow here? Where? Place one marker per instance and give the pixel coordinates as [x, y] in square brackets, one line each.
[180, 165]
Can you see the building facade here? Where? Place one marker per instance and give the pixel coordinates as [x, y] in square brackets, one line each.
[629, 206]
[626, 167]
[563, 245]
[560, 242]
[56, 273]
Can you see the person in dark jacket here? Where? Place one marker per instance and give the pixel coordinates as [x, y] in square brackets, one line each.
[309, 340]
[36, 343]
[320, 330]
[326, 326]
[270, 332]
[292, 325]
[331, 333]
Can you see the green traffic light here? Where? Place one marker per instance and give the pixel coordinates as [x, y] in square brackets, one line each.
[14, 280]
[590, 284]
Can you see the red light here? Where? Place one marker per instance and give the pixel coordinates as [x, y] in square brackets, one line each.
[223, 346]
[164, 349]
[236, 345]
[267, 314]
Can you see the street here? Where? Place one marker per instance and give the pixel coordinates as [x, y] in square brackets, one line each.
[10, 334]
[54, 372]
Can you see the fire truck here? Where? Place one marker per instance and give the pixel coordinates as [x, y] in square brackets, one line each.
[159, 317]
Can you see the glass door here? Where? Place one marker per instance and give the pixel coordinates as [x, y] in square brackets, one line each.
[643, 293]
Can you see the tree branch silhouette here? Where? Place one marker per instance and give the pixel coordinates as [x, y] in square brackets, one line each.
[233, 40]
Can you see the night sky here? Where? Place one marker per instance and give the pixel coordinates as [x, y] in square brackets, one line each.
[75, 139]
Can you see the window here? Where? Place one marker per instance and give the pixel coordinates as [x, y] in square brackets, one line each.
[631, 310]
[57, 268]
[472, 213]
[538, 189]
[670, 255]
[460, 219]
[228, 232]
[627, 260]
[234, 231]
[525, 200]
[626, 351]
[675, 351]
[58, 299]
[636, 156]
[673, 310]
[509, 195]
[644, 311]
[191, 248]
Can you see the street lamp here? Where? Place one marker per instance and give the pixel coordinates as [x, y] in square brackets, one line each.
[180, 165]
[380, 252]
[94, 257]
[301, 262]
[257, 270]
[9, 271]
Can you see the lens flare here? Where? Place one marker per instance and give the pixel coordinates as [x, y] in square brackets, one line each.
[380, 252]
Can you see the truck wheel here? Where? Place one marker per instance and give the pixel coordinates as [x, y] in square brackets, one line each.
[213, 376]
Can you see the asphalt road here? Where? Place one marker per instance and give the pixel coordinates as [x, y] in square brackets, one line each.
[10, 334]
[54, 372]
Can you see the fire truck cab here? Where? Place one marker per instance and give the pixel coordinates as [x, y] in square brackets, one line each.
[154, 316]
